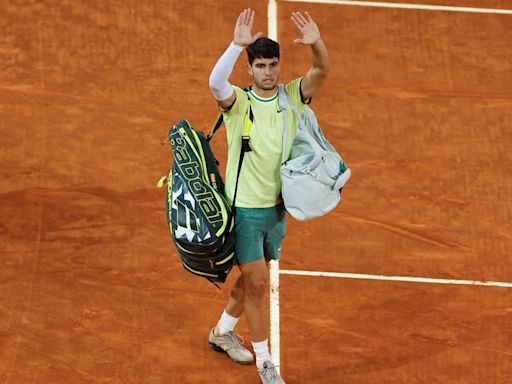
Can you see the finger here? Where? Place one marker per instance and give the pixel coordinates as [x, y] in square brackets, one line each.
[302, 18]
[251, 18]
[298, 41]
[296, 23]
[245, 18]
[239, 20]
[308, 16]
[248, 16]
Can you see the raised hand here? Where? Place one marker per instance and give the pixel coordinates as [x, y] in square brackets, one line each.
[306, 26]
[243, 35]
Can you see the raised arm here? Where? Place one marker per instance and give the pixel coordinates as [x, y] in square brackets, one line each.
[321, 64]
[222, 90]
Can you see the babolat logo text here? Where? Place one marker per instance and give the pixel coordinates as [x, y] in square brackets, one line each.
[190, 167]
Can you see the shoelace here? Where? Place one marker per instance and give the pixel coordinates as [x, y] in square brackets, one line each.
[269, 372]
[237, 339]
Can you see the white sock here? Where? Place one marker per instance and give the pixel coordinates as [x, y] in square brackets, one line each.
[262, 353]
[226, 323]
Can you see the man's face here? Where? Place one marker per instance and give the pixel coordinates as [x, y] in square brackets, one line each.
[265, 73]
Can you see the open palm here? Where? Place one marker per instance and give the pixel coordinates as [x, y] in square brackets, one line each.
[306, 26]
[243, 30]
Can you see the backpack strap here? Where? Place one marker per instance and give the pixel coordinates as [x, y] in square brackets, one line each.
[216, 126]
[301, 125]
[248, 119]
[248, 122]
[283, 108]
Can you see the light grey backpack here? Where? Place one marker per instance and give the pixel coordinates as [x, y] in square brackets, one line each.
[314, 174]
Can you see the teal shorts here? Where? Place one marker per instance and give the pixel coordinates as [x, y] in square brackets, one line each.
[259, 233]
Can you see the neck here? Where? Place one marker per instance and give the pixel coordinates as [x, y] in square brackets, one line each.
[265, 93]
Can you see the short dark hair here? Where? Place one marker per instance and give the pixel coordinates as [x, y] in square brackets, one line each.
[262, 48]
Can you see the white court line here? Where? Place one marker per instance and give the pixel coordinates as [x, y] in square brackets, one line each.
[275, 331]
[396, 278]
[272, 20]
[380, 4]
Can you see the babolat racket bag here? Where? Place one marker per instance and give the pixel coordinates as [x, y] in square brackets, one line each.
[199, 217]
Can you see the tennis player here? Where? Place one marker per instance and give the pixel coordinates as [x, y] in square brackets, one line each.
[260, 216]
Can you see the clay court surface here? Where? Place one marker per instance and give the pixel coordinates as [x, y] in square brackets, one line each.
[419, 103]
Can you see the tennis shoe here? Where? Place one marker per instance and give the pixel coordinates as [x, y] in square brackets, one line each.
[233, 345]
[268, 374]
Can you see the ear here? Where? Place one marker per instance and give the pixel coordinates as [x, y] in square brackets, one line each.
[249, 69]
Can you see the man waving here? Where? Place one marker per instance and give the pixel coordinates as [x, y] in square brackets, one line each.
[259, 216]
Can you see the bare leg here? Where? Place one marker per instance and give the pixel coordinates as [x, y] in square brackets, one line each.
[235, 305]
[255, 282]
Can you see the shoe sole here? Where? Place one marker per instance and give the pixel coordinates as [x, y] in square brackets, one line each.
[219, 349]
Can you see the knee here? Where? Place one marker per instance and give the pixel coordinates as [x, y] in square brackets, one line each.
[238, 291]
[255, 286]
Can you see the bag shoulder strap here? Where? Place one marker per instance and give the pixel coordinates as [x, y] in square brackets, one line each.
[283, 108]
[248, 122]
[248, 119]
[301, 125]
[216, 126]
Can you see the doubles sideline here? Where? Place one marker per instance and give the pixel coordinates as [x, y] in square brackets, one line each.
[379, 4]
[408, 279]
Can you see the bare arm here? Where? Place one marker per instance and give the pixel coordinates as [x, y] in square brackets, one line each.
[242, 37]
[321, 64]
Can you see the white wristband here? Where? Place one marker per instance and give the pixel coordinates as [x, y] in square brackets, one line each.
[219, 84]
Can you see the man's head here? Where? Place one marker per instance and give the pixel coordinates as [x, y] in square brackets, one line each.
[263, 56]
